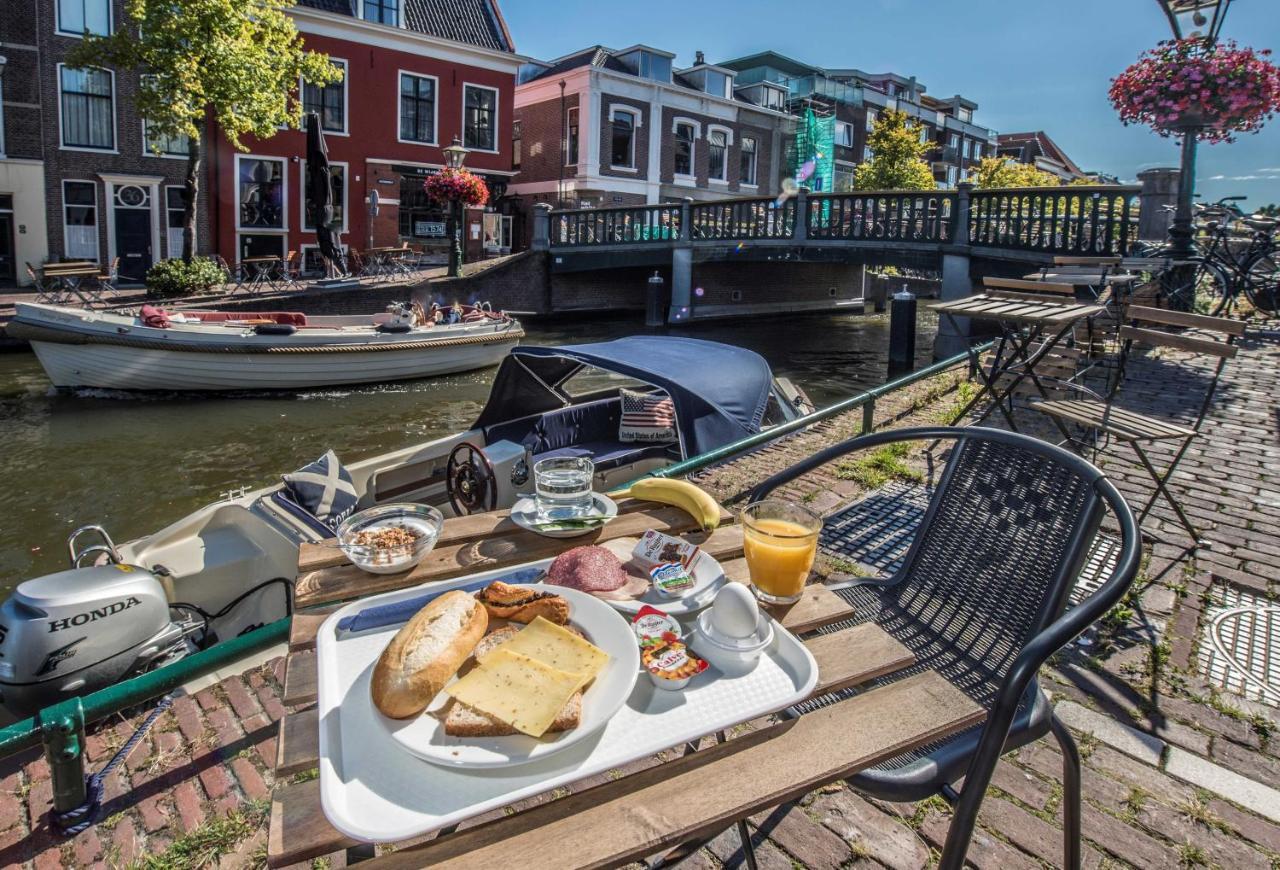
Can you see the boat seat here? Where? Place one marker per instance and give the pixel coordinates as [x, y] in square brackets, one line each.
[309, 520]
[589, 429]
[291, 318]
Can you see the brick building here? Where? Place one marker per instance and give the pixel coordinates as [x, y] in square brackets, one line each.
[1038, 150]
[603, 127]
[418, 73]
[22, 187]
[855, 98]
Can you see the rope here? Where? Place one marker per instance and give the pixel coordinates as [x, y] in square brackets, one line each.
[81, 818]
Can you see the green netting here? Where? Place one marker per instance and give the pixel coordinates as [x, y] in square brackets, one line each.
[815, 141]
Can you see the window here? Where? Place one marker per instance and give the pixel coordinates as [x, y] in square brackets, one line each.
[717, 146]
[871, 120]
[622, 148]
[747, 157]
[954, 141]
[951, 176]
[164, 146]
[775, 99]
[844, 134]
[80, 220]
[328, 101]
[420, 216]
[175, 202]
[382, 11]
[417, 109]
[338, 183]
[260, 193]
[968, 147]
[867, 153]
[655, 67]
[88, 108]
[261, 245]
[480, 117]
[716, 83]
[515, 144]
[844, 179]
[571, 137]
[684, 149]
[924, 133]
[80, 16]
[965, 115]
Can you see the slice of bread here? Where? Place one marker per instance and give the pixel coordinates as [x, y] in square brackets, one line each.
[462, 721]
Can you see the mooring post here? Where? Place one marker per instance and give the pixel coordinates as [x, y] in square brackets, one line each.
[541, 226]
[681, 309]
[902, 331]
[653, 301]
[953, 335]
[62, 732]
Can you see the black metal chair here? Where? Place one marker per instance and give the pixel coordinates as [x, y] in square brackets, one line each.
[981, 597]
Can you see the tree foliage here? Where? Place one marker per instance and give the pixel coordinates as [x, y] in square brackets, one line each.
[1270, 210]
[236, 61]
[992, 172]
[897, 156]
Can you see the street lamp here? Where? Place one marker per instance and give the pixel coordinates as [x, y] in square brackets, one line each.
[1190, 19]
[454, 156]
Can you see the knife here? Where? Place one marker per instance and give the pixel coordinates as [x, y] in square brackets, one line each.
[382, 615]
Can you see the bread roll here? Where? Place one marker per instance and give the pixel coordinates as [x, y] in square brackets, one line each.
[425, 653]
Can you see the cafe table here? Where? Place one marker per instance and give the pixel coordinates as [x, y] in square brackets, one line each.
[69, 278]
[662, 805]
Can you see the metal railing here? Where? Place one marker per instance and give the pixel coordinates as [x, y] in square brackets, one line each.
[923, 216]
[743, 219]
[615, 226]
[1097, 220]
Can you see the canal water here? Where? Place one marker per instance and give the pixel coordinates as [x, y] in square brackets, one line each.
[134, 462]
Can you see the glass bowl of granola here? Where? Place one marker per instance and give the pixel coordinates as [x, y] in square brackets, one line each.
[390, 538]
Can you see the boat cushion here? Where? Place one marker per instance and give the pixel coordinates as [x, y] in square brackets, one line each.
[292, 318]
[612, 454]
[589, 429]
[324, 488]
[281, 498]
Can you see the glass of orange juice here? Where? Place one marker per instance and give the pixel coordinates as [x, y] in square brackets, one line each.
[780, 539]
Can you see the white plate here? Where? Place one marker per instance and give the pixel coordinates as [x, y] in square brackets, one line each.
[708, 577]
[524, 513]
[424, 735]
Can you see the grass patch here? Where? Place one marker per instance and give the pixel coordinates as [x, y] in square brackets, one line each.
[306, 775]
[1191, 855]
[1087, 743]
[840, 565]
[879, 467]
[1134, 803]
[210, 841]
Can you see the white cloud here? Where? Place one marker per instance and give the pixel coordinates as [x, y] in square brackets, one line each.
[1268, 169]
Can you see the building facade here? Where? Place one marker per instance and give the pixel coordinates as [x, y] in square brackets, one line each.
[23, 238]
[1038, 150]
[604, 127]
[854, 99]
[417, 75]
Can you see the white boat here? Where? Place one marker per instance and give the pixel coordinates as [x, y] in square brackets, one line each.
[230, 566]
[275, 350]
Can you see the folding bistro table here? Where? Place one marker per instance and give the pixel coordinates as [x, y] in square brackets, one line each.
[664, 805]
[1023, 323]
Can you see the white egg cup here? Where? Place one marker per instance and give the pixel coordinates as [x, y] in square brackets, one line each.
[732, 655]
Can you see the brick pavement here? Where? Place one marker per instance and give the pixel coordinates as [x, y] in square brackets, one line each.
[1175, 772]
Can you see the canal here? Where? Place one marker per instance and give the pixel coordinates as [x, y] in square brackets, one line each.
[134, 462]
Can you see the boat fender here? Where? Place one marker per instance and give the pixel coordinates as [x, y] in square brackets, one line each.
[275, 329]
[395, 327]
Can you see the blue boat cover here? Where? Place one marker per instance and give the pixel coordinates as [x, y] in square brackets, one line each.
[719, 391]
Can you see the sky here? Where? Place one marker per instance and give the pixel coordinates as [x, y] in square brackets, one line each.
[1029, 64]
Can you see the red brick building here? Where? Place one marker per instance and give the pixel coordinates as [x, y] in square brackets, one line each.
[418, 73]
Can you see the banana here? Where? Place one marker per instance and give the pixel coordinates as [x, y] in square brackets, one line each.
[679, 493]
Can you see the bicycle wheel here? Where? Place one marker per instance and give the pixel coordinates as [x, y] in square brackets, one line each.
[1263, 282]
[1199, 285]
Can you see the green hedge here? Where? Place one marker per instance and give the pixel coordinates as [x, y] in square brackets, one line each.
[170, 278]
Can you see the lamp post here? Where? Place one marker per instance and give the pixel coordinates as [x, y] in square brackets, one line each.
[454, 156]
[1190, 19]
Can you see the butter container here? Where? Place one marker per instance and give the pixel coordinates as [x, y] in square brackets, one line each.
[655, 549]
[671, 580]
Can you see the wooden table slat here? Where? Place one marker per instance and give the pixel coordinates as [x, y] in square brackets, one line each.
[497, 550]
[845, 658]
[304, 626]
[298, 829]
[701, 793]
[301, 678]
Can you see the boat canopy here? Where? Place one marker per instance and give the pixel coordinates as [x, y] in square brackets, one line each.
[719, 391]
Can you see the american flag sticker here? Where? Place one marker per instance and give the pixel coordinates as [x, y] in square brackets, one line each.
[647, 417]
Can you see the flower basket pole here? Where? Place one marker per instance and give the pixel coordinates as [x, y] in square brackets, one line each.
[454, 156]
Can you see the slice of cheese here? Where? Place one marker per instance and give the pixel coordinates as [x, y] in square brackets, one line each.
[558, 647]
[518, 690]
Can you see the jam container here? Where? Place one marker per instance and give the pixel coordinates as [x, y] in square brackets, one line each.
[732, 633]
[670, 664]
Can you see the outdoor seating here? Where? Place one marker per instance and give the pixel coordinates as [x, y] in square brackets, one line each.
[1103, 416]
[49, 290]
[982, 598]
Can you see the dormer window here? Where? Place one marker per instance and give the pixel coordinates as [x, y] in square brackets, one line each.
[716, 84]
[382, 12]
[964, 114]
[654, 66]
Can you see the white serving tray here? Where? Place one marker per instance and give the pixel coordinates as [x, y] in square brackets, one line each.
[373, 790]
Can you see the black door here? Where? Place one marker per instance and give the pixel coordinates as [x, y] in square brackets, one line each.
[7, 272]
[133, 242]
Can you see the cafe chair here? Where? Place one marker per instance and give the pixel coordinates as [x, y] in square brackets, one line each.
[984, 597]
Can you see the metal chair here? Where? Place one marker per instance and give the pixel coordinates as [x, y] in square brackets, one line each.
[1103, 416]
[49, 291]
[981, 597]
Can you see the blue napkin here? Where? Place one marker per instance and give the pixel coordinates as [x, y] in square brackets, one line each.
[382, 615]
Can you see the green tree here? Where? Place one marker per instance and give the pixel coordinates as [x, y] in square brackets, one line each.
[236, 61]
[1003, 172]
[1270, 210]
[896, 156]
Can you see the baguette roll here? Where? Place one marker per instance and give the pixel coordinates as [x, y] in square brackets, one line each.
[426, 652]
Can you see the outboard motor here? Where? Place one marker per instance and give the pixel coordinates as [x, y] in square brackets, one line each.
[76, 631]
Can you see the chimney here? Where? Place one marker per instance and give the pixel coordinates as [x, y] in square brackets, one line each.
[699, 58]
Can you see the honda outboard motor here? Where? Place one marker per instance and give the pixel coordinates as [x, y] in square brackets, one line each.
[77, 631]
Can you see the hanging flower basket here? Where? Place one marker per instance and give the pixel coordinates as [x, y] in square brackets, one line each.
[457, 185]
[1218, 90]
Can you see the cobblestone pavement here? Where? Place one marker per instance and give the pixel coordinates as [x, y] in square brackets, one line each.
[1177, 772]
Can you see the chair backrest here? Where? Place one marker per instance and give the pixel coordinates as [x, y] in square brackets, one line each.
[1063, 260]
[1032, 291]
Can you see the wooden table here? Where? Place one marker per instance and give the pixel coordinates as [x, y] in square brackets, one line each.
[66, 280]
[657, 805]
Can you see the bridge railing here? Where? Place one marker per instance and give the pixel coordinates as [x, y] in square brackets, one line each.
[903, 216]
[1097, 220]
[743, 219]
[615, 226]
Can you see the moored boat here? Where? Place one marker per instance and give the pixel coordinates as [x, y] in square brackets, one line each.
[274, 350]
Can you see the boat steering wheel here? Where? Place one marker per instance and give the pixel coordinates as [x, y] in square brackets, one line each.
[470, 480]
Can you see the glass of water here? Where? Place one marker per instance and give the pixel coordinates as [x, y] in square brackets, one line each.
[563, 487]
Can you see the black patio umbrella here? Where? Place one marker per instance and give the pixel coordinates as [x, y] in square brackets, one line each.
[320, 192]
